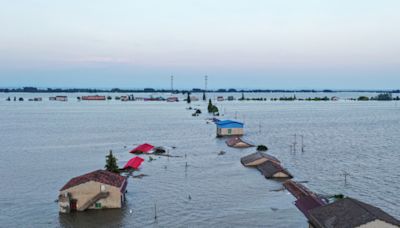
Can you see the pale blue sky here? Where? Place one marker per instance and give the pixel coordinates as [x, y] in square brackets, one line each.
[242, 44]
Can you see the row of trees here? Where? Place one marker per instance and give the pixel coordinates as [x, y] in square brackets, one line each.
[379, 97]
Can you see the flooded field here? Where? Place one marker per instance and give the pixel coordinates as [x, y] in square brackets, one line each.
[44, 144]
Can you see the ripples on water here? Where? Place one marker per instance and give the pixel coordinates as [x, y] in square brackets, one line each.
[44, 144]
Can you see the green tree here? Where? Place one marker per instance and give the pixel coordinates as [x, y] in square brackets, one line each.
[262, 148]
[214, 109]
[188, 100]
[111, 163]
[363, 98]
[210, 105]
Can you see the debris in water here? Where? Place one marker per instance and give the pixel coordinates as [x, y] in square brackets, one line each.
[189, 197]
[277, 190]
[274, 209]
[159, 150]
[221, 152]
[140, 176]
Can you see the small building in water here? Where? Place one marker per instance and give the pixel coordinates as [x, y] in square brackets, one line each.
[229, 128]
[94, 98]
[95, 190]
[237, 142]
[258, 158]
[273, 170]
[349, 212]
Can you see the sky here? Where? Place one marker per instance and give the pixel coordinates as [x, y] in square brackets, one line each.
[267, 44]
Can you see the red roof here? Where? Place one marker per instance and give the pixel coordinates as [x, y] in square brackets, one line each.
[298, 190]
[144, 148]
[134, 163]
[307, 203]
[102, 176]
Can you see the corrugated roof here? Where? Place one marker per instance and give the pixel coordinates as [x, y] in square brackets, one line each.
[144, 148]
[229, 124]
[269, 169]
[257, 155]
[134, 163]
[233, 141]
[348, 212]
[101, 176]
[305, 204]
[298, 190]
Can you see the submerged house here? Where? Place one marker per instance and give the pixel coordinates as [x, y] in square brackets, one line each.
[95, 190]
[297, 190]
[306, 199]
[229, 128]
[143, 148]
[258, 158]
[134, 163]
[307, 203]
[94, 98]
[273, 170]
[349, 212]
[237, 142]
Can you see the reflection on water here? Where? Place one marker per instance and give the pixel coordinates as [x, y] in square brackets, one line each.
[45, 144]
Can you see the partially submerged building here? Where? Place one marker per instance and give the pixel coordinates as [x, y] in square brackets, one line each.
[258, 158]
[94, 98]
[229, 128]
[273, 170]
[307, 203]
[95, 190]
[134, 163]
[306, 199]
[296, 189]
[58, 98]
[348, 213]
[143, 148]
[237, 142]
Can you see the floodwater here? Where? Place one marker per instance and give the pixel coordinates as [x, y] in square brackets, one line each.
[44, 144]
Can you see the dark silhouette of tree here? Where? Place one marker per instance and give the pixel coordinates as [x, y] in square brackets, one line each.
[111, 163]
[188, 98]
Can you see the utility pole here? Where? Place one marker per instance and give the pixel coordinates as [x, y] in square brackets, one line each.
[302, 143]
[295, 142]
[345, 174]
[155, 210]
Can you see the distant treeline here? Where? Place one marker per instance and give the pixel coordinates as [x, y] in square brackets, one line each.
[194, 90]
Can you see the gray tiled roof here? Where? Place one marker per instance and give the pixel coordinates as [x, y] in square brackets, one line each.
[348, 213]
[257, 155]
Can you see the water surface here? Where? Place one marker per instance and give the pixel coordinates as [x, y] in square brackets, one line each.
[44, 144]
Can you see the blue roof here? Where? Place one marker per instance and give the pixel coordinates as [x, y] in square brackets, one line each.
[229, 124]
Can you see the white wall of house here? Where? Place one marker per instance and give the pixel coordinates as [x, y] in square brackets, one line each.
[84, 192]
[229, 131]
[280, 175]
[257, 162]
[377, 224]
